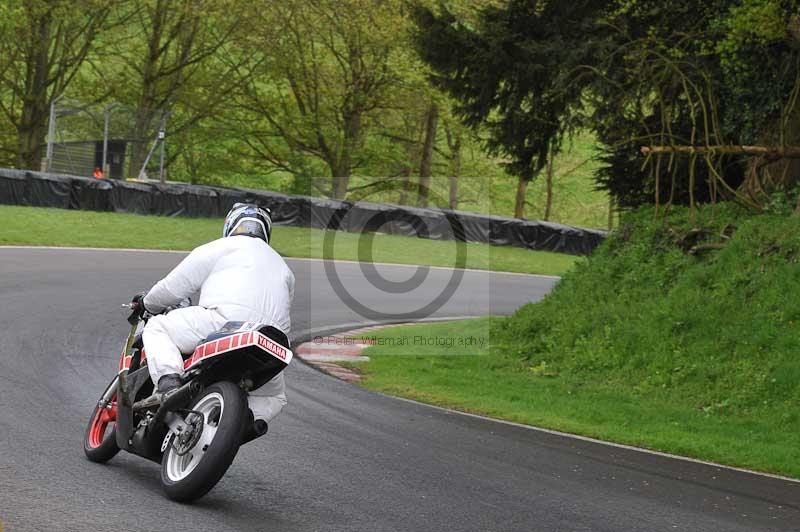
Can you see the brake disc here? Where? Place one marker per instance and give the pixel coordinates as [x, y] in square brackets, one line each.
[186, 440]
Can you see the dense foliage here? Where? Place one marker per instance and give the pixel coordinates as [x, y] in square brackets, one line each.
[303, 94]
[315, 97]
[638, 73]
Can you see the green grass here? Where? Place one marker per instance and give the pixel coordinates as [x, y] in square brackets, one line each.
[643, 344]
[58, 227]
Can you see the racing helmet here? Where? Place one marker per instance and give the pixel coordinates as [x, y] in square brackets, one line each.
[248, 219]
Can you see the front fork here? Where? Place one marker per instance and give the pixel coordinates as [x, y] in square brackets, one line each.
[122, 396]
[105, 400]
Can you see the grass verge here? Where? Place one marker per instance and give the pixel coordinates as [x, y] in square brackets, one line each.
[643, 344]
[58, 227]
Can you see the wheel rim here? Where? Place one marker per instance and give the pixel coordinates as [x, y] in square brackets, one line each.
[103, 420]
[179, 467]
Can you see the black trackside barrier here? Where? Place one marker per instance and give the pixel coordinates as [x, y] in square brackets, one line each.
[132, 197]
[21, 187]
[93, 195]
[49, 191]
[12, 187]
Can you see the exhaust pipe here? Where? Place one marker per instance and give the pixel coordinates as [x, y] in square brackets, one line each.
[177, 399]
[256, 430]
[253, 428]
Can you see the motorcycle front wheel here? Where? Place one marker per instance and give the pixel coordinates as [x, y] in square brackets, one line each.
[100, 440]
[188, 474]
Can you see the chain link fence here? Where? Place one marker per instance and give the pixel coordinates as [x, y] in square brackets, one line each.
[105, 140]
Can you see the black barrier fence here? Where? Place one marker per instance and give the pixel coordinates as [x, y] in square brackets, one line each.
[21, 187]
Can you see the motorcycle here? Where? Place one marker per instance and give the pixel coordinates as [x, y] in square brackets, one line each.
[195, 431]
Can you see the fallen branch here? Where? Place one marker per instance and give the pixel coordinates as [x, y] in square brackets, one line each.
[768, 152]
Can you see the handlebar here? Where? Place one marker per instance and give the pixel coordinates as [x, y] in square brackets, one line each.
[134, 318]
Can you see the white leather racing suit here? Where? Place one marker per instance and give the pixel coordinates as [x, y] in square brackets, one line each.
[240, 278]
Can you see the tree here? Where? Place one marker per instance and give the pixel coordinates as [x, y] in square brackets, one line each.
[324, 67]
[688, 72]
[426, 162]
[548, 205]
[42, 49]
[496, 73]
[171, 52]
[454, 135]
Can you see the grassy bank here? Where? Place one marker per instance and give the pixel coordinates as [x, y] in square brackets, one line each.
[644, 344]
[58, 227]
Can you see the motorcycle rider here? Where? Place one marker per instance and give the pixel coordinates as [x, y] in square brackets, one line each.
[240, 278]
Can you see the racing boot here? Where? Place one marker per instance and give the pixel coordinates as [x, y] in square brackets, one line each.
[166, 384]
[169, 382]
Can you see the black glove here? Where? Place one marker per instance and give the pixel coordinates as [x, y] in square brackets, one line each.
[137, 308]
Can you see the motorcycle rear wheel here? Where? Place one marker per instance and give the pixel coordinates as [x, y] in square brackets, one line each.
[192, 475]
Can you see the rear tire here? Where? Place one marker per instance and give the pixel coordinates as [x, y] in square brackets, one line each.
[100, 439]
[189, 477]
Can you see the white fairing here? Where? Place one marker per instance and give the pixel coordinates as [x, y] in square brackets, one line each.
[240, 277]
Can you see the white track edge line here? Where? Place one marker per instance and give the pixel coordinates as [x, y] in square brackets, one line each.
[344, 261]
[550, 431]
[79, 248]
[358, 325]
[601, 442]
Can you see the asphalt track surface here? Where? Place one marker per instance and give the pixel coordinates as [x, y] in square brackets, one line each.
[339, 457]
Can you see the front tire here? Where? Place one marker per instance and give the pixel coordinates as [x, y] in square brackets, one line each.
[189, 477]
[100, 439]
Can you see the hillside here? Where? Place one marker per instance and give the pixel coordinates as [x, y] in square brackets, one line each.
[669, 338]
[715, 333]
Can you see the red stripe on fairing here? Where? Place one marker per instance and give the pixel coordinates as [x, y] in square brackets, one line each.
[247, 338]
[237, 341]
[211, 348]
